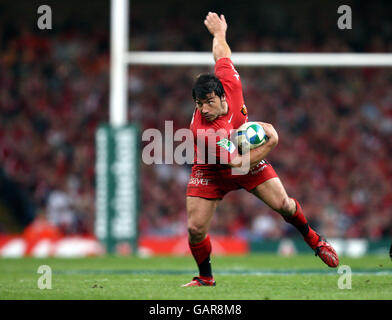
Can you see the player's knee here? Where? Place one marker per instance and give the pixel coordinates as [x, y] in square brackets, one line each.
[196, 233]
[286, 206]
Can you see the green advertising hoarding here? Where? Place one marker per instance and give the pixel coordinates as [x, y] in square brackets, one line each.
[117, 187]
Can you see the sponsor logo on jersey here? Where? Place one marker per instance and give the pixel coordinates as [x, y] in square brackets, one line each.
[244, 110]
[198, 174]
[258, 170]
[226, 144]
[260, 167]
[198, 181]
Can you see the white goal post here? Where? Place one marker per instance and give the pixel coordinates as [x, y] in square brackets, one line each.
[262, 59]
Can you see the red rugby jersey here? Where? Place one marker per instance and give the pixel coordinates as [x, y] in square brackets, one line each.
[216, 143]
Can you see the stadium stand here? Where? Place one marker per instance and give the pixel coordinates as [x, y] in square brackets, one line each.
[335, 125]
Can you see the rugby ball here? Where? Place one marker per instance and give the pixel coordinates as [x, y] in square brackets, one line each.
[250, 135]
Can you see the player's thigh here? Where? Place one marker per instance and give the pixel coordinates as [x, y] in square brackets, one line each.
[273, 193]
[200, 211]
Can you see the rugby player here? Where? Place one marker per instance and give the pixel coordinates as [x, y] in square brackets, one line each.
[220, 105]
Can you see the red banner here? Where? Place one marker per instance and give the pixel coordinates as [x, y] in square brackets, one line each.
[83, 246]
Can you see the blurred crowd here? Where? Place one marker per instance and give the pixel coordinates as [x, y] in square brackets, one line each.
[53, 94]
[335, 128]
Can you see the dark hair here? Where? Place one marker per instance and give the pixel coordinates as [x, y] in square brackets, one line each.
[205, 84]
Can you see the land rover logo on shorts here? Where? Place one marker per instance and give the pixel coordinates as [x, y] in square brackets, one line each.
[198, 174]
[226, 144]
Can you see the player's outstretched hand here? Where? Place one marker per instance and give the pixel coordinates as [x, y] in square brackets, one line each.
[216, 25]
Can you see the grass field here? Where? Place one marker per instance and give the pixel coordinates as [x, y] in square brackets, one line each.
[253, 277]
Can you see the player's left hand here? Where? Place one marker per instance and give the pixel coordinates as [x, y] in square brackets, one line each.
[216, 25]
[271, 133]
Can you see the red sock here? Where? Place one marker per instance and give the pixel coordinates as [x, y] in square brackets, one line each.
[299, 221]
[201, 252]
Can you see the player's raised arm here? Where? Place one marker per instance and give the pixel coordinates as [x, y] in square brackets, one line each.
[217, 26]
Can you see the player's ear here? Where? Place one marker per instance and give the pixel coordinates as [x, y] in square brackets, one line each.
[223, 98]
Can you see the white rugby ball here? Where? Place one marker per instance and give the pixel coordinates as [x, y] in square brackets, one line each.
[249, 135]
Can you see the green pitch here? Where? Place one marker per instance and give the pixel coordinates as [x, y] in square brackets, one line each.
[248, 277]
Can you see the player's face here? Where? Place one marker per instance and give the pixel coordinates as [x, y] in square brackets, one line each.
[211, 107]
